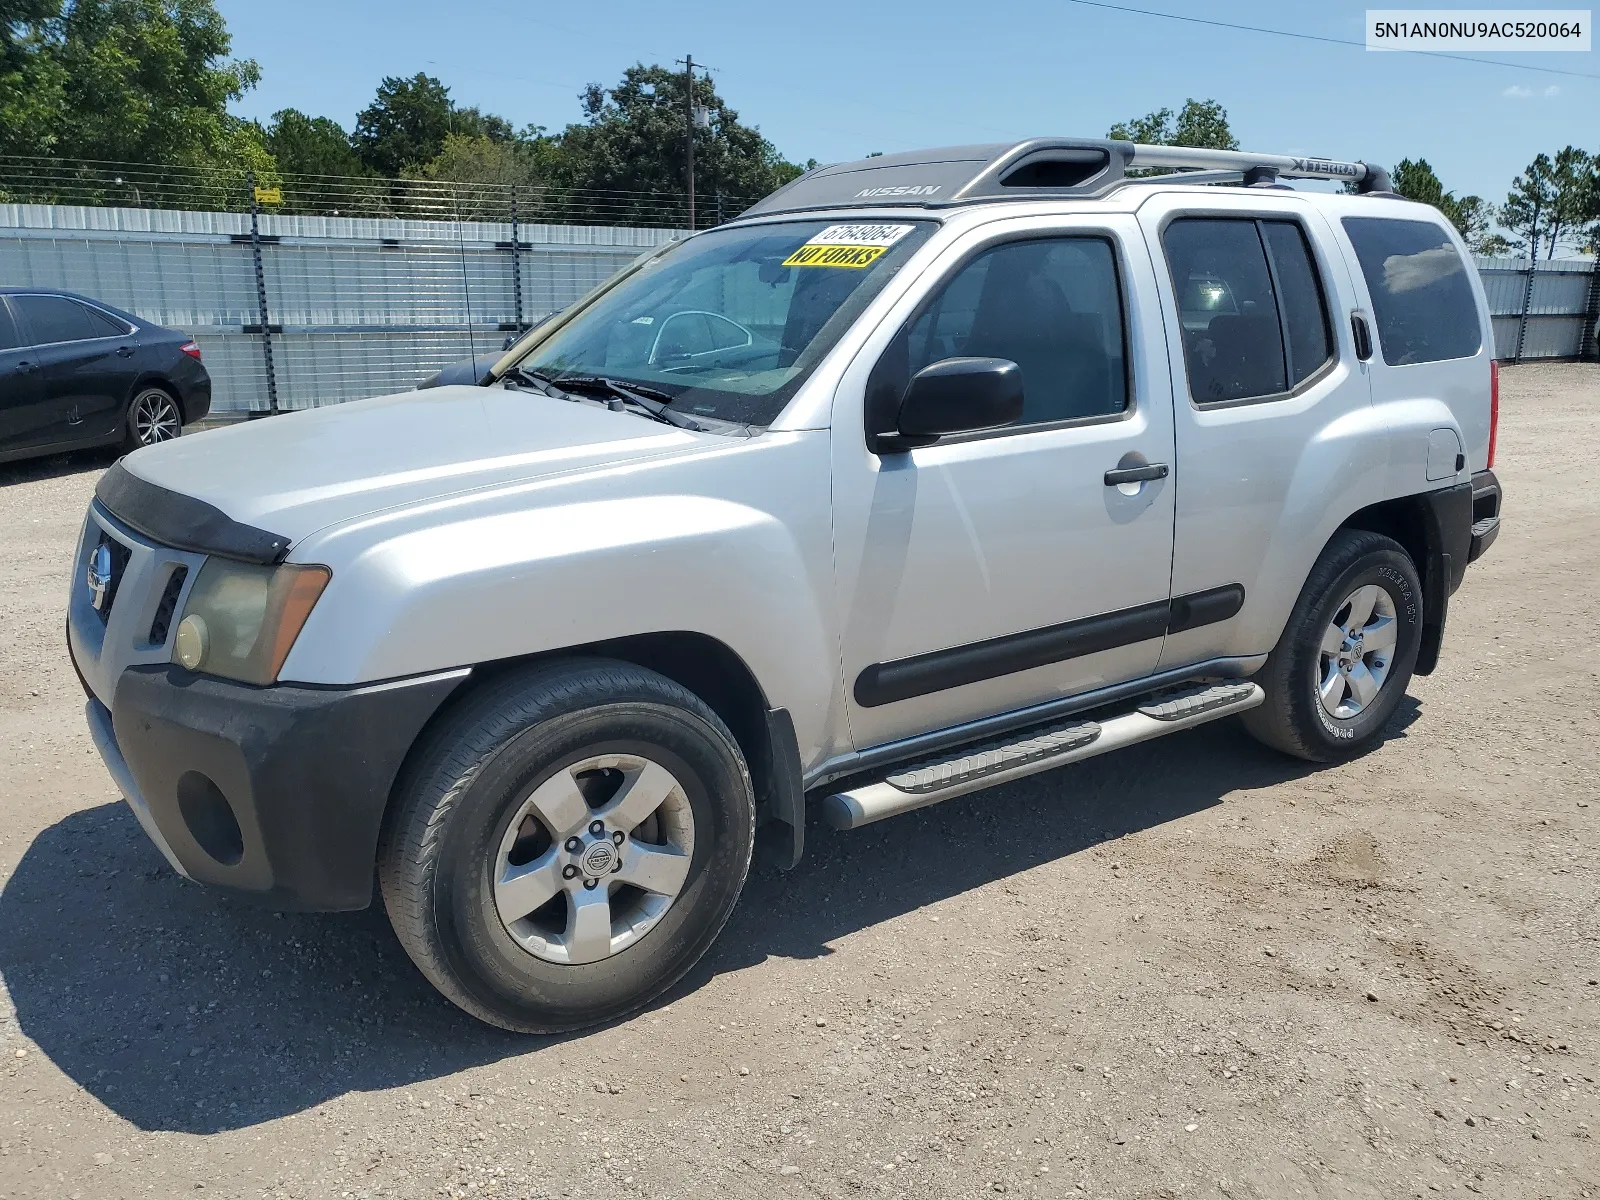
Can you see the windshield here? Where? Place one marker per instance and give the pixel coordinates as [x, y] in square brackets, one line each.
[730, 323]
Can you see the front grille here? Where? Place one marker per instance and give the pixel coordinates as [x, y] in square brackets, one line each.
[161, 624]
[120, 555]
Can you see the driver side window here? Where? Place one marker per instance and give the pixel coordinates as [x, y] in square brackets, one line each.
[1053, 306]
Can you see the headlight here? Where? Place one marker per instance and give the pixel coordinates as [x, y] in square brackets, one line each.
[241, 619]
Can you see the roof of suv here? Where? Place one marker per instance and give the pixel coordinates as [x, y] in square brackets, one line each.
[1038, 169]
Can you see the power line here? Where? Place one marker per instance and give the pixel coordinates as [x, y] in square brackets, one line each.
[1313, 37]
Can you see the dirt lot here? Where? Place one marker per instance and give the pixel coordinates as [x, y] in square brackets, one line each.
[1196, 969]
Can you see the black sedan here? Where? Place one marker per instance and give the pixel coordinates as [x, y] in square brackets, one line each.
[76, 373]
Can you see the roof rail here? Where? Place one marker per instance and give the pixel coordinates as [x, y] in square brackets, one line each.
[1365, 176]
[1038, 168]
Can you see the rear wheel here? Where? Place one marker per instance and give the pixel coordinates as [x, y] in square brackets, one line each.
[567, 844]
[1342, 665]
[154, 416]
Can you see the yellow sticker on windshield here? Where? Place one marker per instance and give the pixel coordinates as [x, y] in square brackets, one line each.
[834, 256]
[847, 246]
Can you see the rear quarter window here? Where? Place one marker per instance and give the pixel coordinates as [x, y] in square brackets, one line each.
[1422, 298]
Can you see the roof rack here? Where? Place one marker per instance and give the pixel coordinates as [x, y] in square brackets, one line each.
[1041, 168]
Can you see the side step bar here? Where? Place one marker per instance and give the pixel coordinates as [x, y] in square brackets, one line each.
[985, 764]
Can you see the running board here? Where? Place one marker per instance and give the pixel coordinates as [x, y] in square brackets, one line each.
[985, 764]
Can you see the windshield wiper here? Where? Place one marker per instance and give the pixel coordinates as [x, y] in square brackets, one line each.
[654, 403]
[540, 382]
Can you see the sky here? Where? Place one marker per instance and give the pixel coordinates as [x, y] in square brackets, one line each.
[834, 81]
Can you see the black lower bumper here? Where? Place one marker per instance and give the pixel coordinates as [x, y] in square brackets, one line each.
[1485, 513]
[277, 793]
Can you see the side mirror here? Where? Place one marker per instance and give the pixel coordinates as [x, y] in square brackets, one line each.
[957, 395]
[509, 342]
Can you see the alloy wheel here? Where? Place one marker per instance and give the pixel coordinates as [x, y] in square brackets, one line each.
[155, 417]
[593, 858]
[1357, 651]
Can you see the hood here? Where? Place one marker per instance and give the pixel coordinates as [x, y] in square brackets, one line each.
[294, 474]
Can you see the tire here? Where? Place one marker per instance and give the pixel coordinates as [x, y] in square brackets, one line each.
[1304, 667]
[154, 415]
[462, 852]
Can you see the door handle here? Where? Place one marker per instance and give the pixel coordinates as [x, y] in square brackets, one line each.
[1136, 474]
[124, 351]
[25, 366]
[1363, 336]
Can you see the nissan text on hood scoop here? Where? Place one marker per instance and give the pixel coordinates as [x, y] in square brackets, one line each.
[929, 472]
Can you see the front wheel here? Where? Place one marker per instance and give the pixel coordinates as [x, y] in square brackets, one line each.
[1342, 665]
[567, 844]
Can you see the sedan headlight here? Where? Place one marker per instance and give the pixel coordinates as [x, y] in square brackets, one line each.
[241, 619]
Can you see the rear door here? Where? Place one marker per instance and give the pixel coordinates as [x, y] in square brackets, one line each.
[24, 417]
[87, 359]
[1273, 412]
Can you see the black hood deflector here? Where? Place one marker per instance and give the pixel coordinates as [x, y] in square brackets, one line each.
[182, 522]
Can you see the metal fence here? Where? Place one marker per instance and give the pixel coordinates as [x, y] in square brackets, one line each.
[295, 311]
[1546, 309]
[299, 311]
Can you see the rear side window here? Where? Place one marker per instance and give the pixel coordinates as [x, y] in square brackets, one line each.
[1053, 306]
[1309, 341]
[56, 319]
[1254, 315]
[8, 329]
[105, 325]
[1421, 297]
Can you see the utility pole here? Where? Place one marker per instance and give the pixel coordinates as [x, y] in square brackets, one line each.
[688, 128]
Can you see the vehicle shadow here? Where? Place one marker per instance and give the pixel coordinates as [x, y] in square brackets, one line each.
[183, 1010]
[53, 466]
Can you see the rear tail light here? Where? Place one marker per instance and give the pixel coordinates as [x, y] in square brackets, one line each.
[192, 350]
[1494, 407]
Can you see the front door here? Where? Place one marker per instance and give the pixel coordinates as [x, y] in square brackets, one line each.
[995, 570]
[87, 361]
[24, 418]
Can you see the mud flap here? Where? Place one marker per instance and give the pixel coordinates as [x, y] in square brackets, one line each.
[786, 794]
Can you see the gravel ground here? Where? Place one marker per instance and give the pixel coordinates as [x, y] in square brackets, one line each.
[1198, 969]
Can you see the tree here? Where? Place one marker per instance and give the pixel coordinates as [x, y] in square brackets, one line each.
[1200, 123]
[408, 121]
[1572, 178]
[32, 81]
[1493, 245]
[1528, 205]
[304, 145]
[405, 125]
[625, 162]
[1415, 180]
[139, 81]
[149, 81]
[1554, 199]
[483, 168]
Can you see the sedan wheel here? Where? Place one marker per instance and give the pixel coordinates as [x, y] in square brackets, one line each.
[153, 417]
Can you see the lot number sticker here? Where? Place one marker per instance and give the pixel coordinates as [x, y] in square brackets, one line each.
[847, 246]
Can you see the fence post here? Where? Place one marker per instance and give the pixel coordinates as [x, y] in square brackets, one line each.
[261, 296]
[516, 261]
[1589, 338]
[1527, 303]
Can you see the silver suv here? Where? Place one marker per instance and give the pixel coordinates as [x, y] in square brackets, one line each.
[929, 472]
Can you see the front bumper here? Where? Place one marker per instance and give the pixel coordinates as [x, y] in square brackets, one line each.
[276, 793]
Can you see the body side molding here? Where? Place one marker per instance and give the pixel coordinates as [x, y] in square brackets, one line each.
[905, 678]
